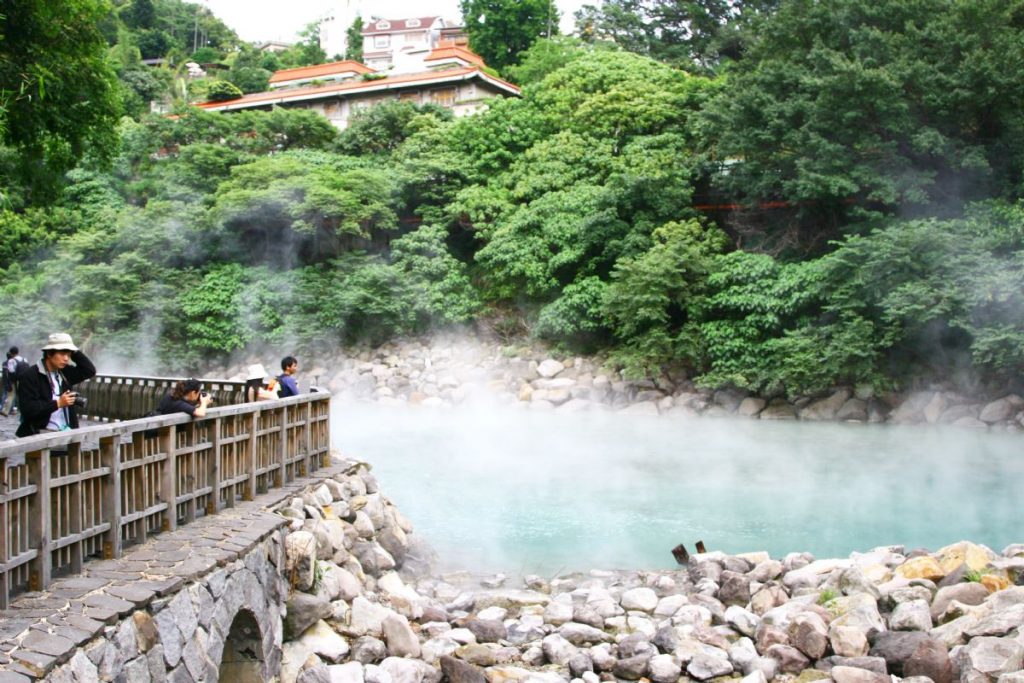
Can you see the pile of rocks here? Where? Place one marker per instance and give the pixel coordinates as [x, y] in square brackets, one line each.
[443, 372]
[365, 608]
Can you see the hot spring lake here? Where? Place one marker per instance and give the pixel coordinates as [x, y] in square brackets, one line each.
[526, 492]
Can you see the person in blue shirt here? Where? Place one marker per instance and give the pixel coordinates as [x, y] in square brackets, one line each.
[289, 387]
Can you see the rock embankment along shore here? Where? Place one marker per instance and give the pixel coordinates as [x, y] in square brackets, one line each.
[367, 607]
[443, 372]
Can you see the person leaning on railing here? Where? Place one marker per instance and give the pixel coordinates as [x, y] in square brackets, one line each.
[45, 397]
[186, 396]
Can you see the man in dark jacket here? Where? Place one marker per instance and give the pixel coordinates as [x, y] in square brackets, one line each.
[44, 390]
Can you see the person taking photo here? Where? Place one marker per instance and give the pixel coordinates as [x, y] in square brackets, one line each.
[45, 395]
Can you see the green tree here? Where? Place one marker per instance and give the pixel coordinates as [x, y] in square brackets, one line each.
[654, 300]
[354, 40]
[220, 91]
[58, 97]
[139, 14]
[440, 284]
[692, 34]
[844, 108]
[381, 129]
[501, 29]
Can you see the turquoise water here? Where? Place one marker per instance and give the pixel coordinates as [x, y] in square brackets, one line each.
[516, 491]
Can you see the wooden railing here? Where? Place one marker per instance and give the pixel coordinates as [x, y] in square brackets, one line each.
[68, 496]
[126, 397]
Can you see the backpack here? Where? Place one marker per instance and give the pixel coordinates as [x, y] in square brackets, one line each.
[20, 366]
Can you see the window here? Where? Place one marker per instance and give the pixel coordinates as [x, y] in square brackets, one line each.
[415, 37]
[409, 97]
[383, 25]
[412, 23]
[444, 97]
[381, 41]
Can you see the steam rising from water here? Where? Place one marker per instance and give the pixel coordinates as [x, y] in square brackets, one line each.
[524, 492]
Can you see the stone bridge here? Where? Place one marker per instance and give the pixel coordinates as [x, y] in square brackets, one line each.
[146, 550]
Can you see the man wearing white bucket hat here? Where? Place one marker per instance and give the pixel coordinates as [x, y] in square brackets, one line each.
[44, 390]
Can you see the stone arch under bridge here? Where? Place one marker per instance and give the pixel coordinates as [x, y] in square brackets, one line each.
[202, 603]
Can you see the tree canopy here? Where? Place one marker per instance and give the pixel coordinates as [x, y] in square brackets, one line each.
[501, 29]
[776, 196]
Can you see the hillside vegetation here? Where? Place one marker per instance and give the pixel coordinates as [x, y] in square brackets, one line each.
[816, 192]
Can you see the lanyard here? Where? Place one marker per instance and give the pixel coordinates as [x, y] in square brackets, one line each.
[55, 380]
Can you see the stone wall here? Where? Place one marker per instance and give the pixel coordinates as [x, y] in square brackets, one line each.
[366, 607]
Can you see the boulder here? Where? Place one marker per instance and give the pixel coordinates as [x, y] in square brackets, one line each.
[976, 557]
[847, 641]
[809, 634]
[826, 408]
[642, 599]
[664, 669]
[401, 640]
[913, 653]
[549, 368]
[850, 674]
[457, 671]
[997, 411]
[631, 668]
[911, 616]
[751, 406]
[986, 658]
[325, 642]
[854, 410]
[403, 670]
[304, 610]
[790, 660]
[923, 567]
[300, 558]
[703, 666]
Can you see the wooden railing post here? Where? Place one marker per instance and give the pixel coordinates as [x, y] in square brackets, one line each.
[169, 477]
[74, 513]
[39, 518]
[214, 469]
[110, 457]
[250, 462]
[307, 453]
[5, 576]
[282, 457]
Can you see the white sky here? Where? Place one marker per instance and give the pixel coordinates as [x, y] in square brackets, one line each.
[256, 20]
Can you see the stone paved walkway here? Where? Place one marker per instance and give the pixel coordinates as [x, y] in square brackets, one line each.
[43, 629]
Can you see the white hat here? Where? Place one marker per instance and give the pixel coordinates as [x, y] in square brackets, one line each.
[257, 371]
[59, 341]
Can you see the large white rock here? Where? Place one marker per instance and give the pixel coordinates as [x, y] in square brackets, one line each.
[300, 558]
[325, 642]
[558, 612]
[367, 617]
[549, 368]
[643, 599]
[409, 671]
[399, 636]
[664, 669]
[349, 672]
[558, 649]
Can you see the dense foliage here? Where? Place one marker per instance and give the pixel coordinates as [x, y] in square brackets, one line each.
[798, 194]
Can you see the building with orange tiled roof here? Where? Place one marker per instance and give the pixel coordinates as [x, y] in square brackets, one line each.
[332, 72]
[340, 89]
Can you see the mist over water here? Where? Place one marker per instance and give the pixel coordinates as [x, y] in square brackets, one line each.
[525, 492]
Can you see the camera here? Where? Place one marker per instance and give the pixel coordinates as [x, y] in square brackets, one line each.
[81, 401]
